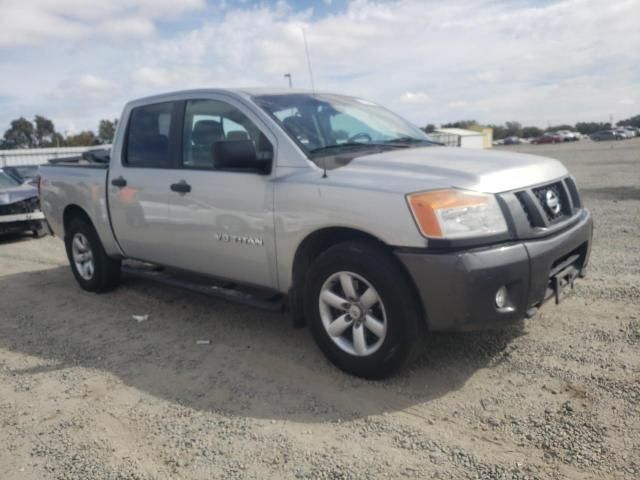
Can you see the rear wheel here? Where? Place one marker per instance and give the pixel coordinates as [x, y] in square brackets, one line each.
[362, 310]
[93, 269]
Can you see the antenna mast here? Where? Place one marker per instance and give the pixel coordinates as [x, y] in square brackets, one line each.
[313, 89]
[306, 49]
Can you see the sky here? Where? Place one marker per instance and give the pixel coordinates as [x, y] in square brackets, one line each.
[537, 62]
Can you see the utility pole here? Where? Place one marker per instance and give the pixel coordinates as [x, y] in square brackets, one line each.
[288, 75]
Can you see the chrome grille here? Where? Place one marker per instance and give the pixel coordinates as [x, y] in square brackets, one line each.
[550, 204]
[556, 209]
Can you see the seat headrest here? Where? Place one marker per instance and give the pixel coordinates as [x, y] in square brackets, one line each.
[206, 132]
[237, 135]
[294, 124]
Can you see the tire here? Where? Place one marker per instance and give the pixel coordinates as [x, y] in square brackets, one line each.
[104, 274]
[376, 355]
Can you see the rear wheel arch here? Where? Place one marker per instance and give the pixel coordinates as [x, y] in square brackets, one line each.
[71, 212]
[105, 271]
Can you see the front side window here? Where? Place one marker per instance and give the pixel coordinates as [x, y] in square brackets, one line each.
[207, 122]
[323, 124]
[148, 136]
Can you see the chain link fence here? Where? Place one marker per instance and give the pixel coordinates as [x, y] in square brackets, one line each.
[38, 156]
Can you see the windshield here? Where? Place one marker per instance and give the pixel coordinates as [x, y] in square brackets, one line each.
[323, 124]
[27, 171]
[7, 181]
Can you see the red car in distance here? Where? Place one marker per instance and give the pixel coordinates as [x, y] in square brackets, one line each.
[548, 138]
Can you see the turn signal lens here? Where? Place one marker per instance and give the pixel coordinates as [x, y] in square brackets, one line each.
[456, 214]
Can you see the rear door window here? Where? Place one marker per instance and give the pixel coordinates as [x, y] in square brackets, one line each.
[148, 136]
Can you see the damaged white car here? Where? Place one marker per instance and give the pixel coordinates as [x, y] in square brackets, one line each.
[19, 207]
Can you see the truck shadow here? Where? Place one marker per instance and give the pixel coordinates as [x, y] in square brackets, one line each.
[7, 238]
[255, 365]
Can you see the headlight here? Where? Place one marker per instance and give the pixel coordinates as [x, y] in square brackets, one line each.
[456, 214]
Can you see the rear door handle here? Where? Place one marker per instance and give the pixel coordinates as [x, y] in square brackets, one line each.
[181, 187]
[119, 182]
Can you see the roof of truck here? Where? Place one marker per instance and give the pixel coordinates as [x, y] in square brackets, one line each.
[244, 92]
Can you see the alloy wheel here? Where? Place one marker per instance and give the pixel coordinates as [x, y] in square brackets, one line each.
[352, 313]
[82, 256]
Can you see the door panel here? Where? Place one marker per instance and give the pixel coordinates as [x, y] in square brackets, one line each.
[224, 225]
[140, 214]
[139, 184]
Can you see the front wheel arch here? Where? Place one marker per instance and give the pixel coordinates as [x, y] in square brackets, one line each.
[401, 308]
[313, 245]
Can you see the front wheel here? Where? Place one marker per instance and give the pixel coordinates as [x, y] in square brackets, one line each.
[362, 309]
[93, 269]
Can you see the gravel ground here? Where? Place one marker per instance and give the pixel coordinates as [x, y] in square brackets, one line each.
[86, 392]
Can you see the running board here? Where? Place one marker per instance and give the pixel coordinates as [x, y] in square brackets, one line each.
[274, 302]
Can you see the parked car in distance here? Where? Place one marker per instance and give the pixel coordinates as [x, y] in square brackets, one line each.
[548, 138]
[626, 132]
[19, 207]
[606, 135]
[568, 135]
[512, 141]
[330, 206]
[23, 173]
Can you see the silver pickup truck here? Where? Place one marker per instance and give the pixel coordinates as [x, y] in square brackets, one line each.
[326, 205]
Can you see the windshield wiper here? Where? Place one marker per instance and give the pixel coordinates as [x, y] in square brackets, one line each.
[338, 146]
[406, 140]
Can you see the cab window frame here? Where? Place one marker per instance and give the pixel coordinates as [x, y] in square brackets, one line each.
[180, 160]
[173, 138]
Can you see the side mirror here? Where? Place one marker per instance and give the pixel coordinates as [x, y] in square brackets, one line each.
[238, 155]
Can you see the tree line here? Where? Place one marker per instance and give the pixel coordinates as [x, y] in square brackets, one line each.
[516, 129]
[41, 132]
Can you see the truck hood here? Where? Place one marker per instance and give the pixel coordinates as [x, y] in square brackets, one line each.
[424, 168]
[11, 195]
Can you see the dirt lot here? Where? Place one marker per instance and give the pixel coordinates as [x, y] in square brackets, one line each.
[86, 392]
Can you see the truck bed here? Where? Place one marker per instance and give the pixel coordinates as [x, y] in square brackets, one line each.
[97, 158]
[69, 184]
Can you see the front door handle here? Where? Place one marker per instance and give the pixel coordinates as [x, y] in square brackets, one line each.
[181, 187]
[119, 182]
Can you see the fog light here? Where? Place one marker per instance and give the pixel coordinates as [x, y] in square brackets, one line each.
[501, 297]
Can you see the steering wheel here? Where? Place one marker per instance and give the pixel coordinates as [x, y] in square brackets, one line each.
[360, 135]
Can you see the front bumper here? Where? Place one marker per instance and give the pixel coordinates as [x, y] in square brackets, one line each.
[458, 288]
[22, 217]
[20, 222]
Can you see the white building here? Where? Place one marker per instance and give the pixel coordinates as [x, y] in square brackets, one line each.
[459, 137]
